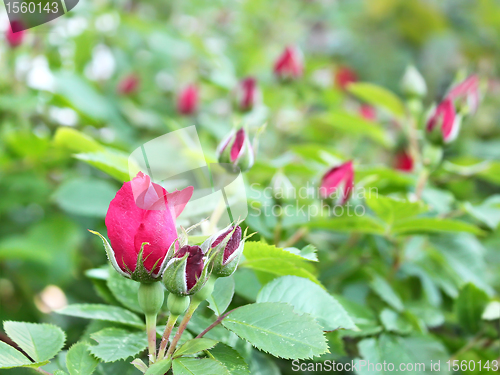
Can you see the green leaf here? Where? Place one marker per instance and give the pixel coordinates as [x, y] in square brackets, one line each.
[415, 350]
[393, 210]
[469, 307]
[75, 140]
[160, 367]
[384, 290]
[351, 124]
[268, 258]
[60, 372]
[262, 364]
[230, 358]
[115, 344]
[85, 196]
[195, 346]
[124, 290]
[433, 224]
[395, 322]
[10, 357]
[114, 163]
[79, 361]
[378, 96]
[276, 329]
[195, 366]
[360, 224]
[492, 311]
[307, 297]
[488, 212]
[102, 312]
[40, 341]
[222, 295]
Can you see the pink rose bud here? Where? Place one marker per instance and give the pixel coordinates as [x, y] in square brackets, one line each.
[338, 183]
[444, 123]
[187, 102]
[187, 272]
[466, 94]
[368, 112]
[235, 150]
[15, 34]
[403, 161]
[128, 85]
[344, 76]
[248, 94]
[290, 64]
[141, 223]
[228, 247]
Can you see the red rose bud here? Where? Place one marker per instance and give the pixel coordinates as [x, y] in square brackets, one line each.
[248, 94]
[368, 112]
[444, 123]
[403, 161]
[187, 272]
[128, 85]
[141, 223]
[466, 94]
[290, 64]
[187, 102]
[338, 183]
[228, 247]
[344, 76]
[236, 151]
[15, 34]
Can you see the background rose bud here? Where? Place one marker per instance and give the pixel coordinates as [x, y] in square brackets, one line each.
[14, 34]
[338, 183]
[344, 76]
[368, 112]
[444, 123]
[144, 212]
[187, 102]
[186, 272]
[466, 93]
[128, 85]
[413, 84]
[290, 64]
[236, 150]
[228, 247]
[403, 161]
[248, 94]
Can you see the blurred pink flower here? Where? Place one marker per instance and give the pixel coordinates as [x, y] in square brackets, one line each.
[338, 183]
[187, 102]
[290, 64]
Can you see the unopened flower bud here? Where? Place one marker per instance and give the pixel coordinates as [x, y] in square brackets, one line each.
[247, 94]
[444, 123]
[235, 151]
[290, 64]
[227, 246]
[128, 85]
[344, 76]
[187, 102]
[338, 183]
[15, 34]
[187, 271]
[413, 84]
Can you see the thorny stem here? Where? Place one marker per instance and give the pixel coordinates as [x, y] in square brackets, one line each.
[166, 335]
[151, 330]
[182, 327]
[216, 323]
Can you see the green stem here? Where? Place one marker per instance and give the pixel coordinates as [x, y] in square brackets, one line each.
[151, 330]
[422, 181]
[166, 335]
[182, 327]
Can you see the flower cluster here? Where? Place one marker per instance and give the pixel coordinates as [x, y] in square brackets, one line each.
[145, 245]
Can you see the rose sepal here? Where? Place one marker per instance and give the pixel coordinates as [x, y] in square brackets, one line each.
[140, 273]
